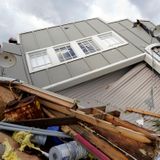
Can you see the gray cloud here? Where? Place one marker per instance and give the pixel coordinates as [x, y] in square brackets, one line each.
[19, 16]
[57, 11]
[149, 9]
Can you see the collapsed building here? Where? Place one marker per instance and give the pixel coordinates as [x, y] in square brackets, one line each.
[107, 69]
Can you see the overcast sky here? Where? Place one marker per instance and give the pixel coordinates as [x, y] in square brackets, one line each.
[17, 16]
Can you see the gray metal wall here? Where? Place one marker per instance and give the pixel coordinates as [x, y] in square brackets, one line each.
[19, 70]
[137, 38]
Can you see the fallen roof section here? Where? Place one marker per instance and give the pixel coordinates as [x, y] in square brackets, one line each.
[139, 88]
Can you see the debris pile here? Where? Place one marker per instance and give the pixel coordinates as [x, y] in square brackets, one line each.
[37, 124]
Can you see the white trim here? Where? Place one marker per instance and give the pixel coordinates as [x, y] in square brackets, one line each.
[96, 47]
[152, 62]
[76, 48]
[53, 56]
[40, 67]
[151, 52]
[95, 73]
[152, 58]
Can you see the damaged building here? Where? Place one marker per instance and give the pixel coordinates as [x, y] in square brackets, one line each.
[112, 67]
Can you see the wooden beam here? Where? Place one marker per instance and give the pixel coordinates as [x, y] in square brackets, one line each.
[128, 145]
[98, 122]
[118, 122]
[55, 106]
[50, 96]
[143, 112]
[99, 143]
[45, 122]
[92, 149]
[48, 113]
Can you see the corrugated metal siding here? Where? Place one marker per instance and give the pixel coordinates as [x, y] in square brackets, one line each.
[131, 90]
[88, 93]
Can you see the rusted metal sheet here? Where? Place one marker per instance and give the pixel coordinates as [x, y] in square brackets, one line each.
[27, 108]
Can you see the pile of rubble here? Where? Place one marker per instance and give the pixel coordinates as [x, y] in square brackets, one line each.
[37, 124]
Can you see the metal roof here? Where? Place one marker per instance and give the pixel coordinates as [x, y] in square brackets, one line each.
[131, 90]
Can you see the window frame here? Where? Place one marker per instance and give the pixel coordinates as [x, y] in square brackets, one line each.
[123, 41]
[28, 58]
[94, 42]
[76, 48]
[65, 45]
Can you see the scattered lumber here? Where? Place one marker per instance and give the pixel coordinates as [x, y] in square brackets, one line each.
[140, 111]
[98, 112]
[98, 122]
[50, 96]
[99, 143]
[76, 130]
[115, 141]
[86, 144]
[128, 145]
[103, 134]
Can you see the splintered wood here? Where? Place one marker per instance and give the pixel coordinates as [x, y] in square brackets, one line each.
[140, 111]
[113, 137]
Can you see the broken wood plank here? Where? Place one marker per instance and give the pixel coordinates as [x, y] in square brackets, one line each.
[85, 143]
[48, 113]
[50, 96]
[45, 122]
[55, 106]
[99, 143]
[92, 149]
[128, 145]
[143, 112]
[118, 122]
[123, 144]
[98, 122]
